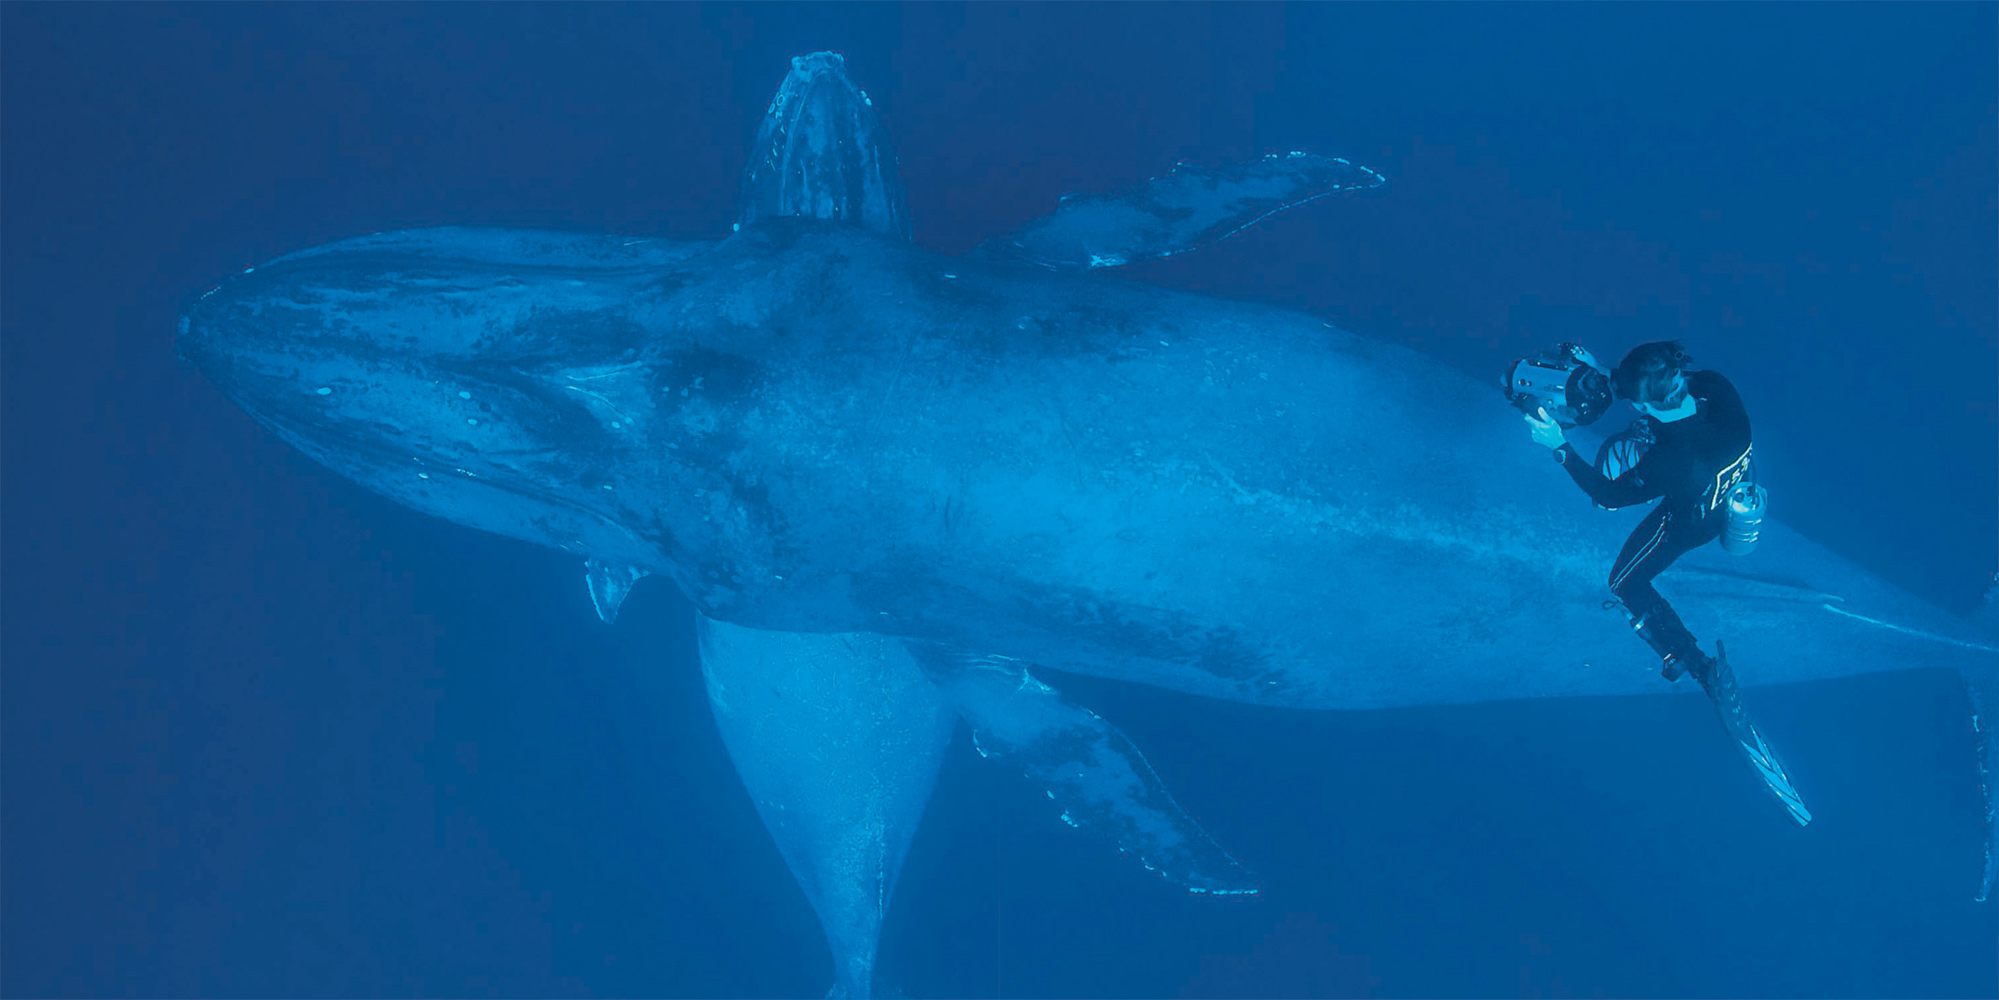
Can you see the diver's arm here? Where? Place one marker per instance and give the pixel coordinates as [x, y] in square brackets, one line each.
[1624, 491]
[1632, 487]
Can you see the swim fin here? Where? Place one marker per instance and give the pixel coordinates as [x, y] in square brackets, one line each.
[1719, 681]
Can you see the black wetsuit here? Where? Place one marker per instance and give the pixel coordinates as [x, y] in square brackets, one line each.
[1691, 466]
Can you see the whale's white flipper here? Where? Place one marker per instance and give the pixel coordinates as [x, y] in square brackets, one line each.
[1982, 687]
[838, 739]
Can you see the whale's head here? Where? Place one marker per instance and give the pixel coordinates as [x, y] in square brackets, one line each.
[499, 379]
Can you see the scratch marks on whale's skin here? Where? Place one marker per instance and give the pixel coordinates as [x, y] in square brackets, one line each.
[579, 390]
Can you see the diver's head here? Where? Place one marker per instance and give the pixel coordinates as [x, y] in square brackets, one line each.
[1654, 378]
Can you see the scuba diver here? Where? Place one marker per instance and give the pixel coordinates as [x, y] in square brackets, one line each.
[1689, 450]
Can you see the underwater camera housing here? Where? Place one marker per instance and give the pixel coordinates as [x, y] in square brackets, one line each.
[1561, 379]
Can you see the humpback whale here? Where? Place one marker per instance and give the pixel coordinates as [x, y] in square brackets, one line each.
[899, 487]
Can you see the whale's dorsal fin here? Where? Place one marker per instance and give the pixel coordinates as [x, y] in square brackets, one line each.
[1095, 777]
[1188, 208]
[609, 582]
[821, 153]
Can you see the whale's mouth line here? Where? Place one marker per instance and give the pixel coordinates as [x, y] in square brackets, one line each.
[366, 451]
[351, 455]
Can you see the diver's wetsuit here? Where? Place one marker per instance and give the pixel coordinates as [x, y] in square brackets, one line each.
[1691, 465]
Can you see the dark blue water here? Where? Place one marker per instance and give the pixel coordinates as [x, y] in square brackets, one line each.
[267, 734]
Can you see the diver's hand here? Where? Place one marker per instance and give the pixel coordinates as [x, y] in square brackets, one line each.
[1583, 355]
[1545, 431]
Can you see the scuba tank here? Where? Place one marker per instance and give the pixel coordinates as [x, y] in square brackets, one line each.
[1746, 501]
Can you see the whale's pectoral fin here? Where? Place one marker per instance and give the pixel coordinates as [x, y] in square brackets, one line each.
[609, 583]
[1188, 208]
[838, 738]
[1982, 686]
[1096, 778]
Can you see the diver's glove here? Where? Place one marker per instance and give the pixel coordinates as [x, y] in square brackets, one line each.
[1545, 431]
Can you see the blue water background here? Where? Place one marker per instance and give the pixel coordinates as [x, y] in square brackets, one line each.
[268, 734]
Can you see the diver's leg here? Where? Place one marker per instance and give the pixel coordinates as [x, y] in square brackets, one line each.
[1657, 541]
[1631, 576]
[1660, 626]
